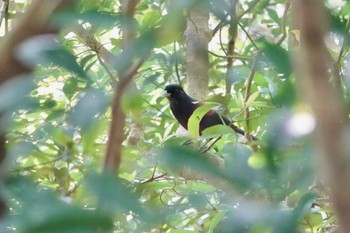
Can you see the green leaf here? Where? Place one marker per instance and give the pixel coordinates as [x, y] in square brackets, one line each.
[150, 19]
[304, 205]
[216, 219]
[278, 57]
[115, 194]
[42, 212]
[339, 26]
[14, 93]
[70, 87]
[86, 59]
[175, 158]
[238, 74]
[54, 115]
[274, 16]
[132, 103]
[88, 107]
[196, 117]
[65, 59]
[346, 9]
[93, 17]
[216, 131]
[251, 99]
[286, 95]
[236, 165]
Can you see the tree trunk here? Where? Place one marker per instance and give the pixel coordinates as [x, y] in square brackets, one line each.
[327, 105]
[197, 36]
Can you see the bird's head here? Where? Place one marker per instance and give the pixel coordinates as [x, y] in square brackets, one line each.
[174, 91]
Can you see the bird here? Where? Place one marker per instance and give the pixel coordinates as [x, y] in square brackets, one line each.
[182, 106]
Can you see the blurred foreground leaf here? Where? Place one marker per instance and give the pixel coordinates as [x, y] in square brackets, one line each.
[40, 211]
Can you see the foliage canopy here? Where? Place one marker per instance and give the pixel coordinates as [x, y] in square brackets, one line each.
[57, 121]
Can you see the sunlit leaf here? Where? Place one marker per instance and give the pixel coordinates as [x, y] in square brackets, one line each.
[196, 117]
[216, 131]
[150, 18]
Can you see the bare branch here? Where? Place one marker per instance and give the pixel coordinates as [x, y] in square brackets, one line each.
[230, 57]
[232, 36]
[252, 6]
[88, 38]
[284, 22]
[3, 8]
[33, 22]
[197, 36]
[246, 109]
[110, 75]
[113, 154]
[327, 105]
[116, 131]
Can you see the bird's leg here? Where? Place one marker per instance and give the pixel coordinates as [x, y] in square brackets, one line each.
[187, 142]
[208, 146]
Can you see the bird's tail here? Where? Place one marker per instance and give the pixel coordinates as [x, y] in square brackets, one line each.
[241, 132]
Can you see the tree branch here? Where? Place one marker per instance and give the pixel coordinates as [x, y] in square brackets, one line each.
[197, 36]
[248, 136]
[116, 131]
[3, 9]
[230, 57]
[32, 23]
[287, 6]
[113, 154]
[88, 38]
[327, 105]
[232, 35]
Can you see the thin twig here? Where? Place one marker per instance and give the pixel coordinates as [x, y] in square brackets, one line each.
[217, 27]
[177, 66]
[153, 177]
[246, 110]
[21, 169]
[205, 150]
[247, 34]
[3, 8]
[159, 110]
[284, 22]
[232, 35]
[221, 43]
[345, 42]
[110, 75]
[252, 6]
[230, 57]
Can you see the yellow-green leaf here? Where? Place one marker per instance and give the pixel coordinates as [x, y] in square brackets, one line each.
[195, 119]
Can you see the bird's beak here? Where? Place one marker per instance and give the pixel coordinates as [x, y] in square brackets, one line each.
[166, 94]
